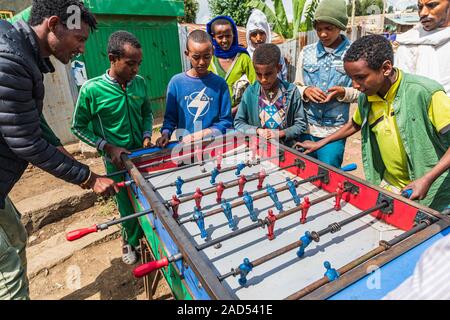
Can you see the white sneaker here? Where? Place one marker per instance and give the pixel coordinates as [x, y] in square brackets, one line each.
[129, 255]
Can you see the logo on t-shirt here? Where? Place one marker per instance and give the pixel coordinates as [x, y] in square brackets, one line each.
[198, 104]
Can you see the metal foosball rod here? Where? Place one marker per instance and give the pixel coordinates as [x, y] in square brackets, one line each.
[79, 233]
[195, 152]
[239, 203]
[268, 222]
[304, 241]
[232, 168]
[234, 183]
[217, 159]
[383, 246]
[160, 162]
[149, 267]
[128, 183]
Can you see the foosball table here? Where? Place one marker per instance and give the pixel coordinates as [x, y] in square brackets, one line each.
[237, 217]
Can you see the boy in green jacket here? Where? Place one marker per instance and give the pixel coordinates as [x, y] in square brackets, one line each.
[404, 121]
[113, 114]
[271, 107]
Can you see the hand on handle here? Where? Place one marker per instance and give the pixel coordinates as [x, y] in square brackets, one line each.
[349, 167]
[407, 193]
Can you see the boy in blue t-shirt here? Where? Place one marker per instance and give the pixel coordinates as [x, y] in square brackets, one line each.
[198, 101]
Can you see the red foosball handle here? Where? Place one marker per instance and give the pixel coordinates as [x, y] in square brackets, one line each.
[149, 267]
[120, 184]
[79, 233]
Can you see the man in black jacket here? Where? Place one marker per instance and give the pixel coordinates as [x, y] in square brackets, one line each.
[59, 28]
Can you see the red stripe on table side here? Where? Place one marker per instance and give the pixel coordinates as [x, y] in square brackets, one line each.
[170, 165]
[402, 217]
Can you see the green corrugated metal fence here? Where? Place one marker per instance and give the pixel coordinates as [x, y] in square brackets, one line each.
[160, 45]
[155, 25]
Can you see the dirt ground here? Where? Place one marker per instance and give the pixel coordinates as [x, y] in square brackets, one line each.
[35, 180]
[94, 273]
[97, 272]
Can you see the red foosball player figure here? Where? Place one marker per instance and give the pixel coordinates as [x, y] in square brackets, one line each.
[219, 159]
[339, 192]
[261, 176]
[175, 203]
[199, 154]
[271, 218]
[198, 195]
[254, 150]
[305, 207]
[242, 181]
[220, 188]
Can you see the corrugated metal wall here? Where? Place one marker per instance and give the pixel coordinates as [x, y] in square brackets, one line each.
[184, 32]
[161, 49]
[60, 95]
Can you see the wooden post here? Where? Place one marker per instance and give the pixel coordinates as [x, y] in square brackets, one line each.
[353, 35]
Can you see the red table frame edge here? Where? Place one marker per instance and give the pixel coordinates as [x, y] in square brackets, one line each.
[403, 214]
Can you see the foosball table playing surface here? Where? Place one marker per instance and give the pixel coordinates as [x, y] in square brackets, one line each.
[241, 218]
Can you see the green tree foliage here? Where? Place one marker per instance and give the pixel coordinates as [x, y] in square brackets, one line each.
[190, 11]
[236, 9]
[302, 17]
[366, 7]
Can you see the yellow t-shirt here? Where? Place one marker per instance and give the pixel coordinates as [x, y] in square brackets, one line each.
[384, 126]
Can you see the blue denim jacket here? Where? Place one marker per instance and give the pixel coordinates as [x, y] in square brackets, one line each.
[325, 70]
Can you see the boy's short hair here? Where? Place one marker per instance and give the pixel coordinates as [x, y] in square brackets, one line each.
[117, 41]
[42, 9]
[220, 22]
[198, 36]
[375, 49]
[267, 53]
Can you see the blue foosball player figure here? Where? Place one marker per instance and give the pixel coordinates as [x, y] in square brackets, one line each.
[293, 191]
[179, 183]
[239, 168]
[306, 240]
[248, 200]
[227, 210]
[200, 220]
[331, 273]
[273, 195]
[214, 175]
[245, 268]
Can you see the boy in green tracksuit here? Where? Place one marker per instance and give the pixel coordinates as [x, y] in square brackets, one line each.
[271, 107]
[113, 114]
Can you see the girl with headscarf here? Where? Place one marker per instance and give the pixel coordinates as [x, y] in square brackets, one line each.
[230, 61]
[258, 32]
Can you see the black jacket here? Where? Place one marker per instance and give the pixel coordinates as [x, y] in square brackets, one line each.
[21, 101]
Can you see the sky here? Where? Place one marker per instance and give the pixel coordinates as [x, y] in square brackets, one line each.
[203, 15]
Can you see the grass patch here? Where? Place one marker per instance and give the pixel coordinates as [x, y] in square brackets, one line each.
[107, 207]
